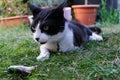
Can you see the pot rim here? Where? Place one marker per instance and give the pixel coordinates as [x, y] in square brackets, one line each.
[82, 6]
[14, 17]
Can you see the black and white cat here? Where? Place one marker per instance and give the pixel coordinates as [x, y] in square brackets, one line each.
[55, 33]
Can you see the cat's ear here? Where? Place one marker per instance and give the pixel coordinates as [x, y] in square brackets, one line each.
[34, 9]
[61, 6]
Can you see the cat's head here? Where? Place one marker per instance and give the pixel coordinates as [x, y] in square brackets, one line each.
[47, 23]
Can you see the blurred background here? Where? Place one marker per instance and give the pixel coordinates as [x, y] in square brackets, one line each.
[109, 9]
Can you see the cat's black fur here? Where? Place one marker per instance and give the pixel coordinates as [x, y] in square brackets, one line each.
[52, 22]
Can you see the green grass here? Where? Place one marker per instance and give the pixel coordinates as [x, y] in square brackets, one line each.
[95, 61]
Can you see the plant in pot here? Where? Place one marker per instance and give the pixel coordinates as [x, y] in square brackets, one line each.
[85, 14]
[13, 13]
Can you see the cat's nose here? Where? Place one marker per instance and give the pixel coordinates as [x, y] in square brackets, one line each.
[37, 39]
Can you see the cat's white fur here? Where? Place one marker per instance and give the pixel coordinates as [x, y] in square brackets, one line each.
[64, 39]
[96, 37]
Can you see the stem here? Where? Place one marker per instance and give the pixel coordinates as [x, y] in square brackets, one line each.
[86, 2]
[119, 15]
[119, 10]
[50, 3]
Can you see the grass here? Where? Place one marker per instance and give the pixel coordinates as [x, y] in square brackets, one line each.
[95, 61]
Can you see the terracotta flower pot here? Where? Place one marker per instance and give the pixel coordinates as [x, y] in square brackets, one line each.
[13, 21]
[85, 14]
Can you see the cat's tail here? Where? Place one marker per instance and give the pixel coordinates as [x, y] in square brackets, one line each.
[95, 29]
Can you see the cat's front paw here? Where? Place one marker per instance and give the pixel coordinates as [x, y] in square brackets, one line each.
[43, 56]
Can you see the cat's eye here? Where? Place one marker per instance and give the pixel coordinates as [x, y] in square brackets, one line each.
[45, 28]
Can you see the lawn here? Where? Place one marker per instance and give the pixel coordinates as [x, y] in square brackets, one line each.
[95, 60]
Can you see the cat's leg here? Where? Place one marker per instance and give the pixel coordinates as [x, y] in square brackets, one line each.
[45, 54]
[66, 45]
[96, 37]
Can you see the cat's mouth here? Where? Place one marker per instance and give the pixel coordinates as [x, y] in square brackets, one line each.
[43, 42]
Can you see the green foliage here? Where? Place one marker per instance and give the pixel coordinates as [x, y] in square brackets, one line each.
[95, 61]
[17, 7]
[13, 8]
[110, 16]
[49, 3]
